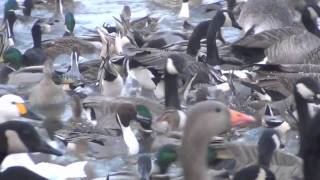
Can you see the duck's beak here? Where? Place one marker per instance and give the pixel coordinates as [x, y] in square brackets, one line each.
[27, 113]
[46, 148]
[238, 118]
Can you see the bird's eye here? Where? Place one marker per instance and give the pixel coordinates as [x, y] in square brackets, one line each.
[13, 102]
[218, 110]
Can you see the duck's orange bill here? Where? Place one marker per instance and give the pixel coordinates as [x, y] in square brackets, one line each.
[22, 108]
[238, 118]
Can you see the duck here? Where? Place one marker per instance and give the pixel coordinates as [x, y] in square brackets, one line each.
[156, 59]
[194, 144]
[306, 91]
[6, 33]
[21, 137]
[55, 47]
[26, 136]
[268, 142]
[15, 107]
[45, 170]
[36, 55]
[46, 95]
[12, 61]
[18, 172]
[111, 82]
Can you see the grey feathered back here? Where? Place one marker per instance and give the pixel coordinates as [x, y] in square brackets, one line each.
[265, 15]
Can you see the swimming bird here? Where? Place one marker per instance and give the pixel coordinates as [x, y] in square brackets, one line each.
[46, 97]
[19, 137]
[35, 55]
[262, 15]
[306, 91]
[111, 83]
[63, 45]
[205, 119]
[13, 106]
[284, 45]
[268, 142]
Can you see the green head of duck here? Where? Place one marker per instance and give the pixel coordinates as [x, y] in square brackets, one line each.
[13, 58]
[70, 23]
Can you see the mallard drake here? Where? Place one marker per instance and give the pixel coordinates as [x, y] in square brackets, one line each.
[15, 107]
[36, 55]
[55, 47]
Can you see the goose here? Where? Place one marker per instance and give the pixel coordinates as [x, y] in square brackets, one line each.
[13, 107]
[306, 92]
[262, 15]
[205, 119]
[282, 46]
[268, 142]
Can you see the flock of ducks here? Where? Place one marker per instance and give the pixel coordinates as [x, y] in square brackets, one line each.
[163, 100]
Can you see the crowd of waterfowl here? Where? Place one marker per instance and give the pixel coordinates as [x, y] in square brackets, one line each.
[170, 104]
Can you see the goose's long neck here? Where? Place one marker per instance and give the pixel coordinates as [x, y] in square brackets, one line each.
[194, 152]
[311, 26]
[212, 50]
[304, 118]
[171, 91]
[199, 32]
[264, 159]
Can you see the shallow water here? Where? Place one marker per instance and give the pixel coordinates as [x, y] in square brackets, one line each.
[92, 13]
